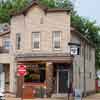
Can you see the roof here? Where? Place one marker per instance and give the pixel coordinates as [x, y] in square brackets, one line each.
[4, 33]
[46, 9]
[73, 30]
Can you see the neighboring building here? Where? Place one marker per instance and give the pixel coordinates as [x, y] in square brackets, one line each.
[40, 38]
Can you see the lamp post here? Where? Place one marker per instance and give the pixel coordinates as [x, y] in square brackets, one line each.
[75, 50]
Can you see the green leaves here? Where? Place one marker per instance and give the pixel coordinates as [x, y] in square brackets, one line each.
[64, 4]
[11, 6]
[88, 28]
[48, 3]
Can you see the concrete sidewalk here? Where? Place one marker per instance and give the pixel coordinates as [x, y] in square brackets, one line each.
[60, 98]
[37, 99]
[92, 97]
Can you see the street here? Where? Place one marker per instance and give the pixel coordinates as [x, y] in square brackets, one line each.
[92, 97]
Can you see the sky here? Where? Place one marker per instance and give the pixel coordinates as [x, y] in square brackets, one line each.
[89, 9]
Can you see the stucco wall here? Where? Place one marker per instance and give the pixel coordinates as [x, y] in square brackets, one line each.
[31, 22]
[59, 21]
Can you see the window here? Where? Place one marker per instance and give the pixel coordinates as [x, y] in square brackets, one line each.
[90, 55]
[86, 52]
[35, 40]
[18, 41]
[90, 75]
[7, 43]
[56, 39]
[35, 73]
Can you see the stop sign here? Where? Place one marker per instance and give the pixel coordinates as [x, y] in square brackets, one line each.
[21, 70]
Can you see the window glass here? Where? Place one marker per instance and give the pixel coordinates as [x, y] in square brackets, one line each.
[36, 40]
[7, 43]
[35, 73]
[18, 40]
[56, 39]
[90, 53]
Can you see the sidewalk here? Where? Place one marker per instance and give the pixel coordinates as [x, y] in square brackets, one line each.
[60, 98]
[92, 97]
[36, 99]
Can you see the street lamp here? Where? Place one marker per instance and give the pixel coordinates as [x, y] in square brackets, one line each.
[75, 50]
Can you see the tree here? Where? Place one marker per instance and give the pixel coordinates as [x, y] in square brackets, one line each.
[48, 3]
[88, 28]
[9, 6]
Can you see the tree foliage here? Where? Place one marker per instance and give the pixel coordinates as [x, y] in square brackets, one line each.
[88, 28]
[9, 6]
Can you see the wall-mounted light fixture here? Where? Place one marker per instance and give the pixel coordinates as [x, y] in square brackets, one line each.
[74, 48]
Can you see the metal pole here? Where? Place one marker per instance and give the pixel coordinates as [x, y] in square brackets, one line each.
[22, 87]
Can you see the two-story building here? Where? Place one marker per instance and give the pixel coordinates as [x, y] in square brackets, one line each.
[41, 38]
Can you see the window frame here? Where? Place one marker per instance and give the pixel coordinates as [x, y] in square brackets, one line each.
[39, 40]
[5, 40]
[40, 68]
[18, 42]
[53, 41]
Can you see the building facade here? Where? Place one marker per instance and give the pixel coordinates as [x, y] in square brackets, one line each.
[39, 38]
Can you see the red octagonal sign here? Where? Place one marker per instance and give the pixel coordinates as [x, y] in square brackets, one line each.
[21, 70]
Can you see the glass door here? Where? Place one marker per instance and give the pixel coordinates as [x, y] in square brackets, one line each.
[62, 81]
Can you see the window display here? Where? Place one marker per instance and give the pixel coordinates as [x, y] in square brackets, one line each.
[35, 73]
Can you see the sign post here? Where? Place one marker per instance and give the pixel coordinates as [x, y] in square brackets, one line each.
[21, 72]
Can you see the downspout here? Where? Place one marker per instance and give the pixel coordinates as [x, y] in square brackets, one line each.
[84, 94]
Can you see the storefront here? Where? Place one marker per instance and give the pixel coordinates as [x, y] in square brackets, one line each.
[49, 77]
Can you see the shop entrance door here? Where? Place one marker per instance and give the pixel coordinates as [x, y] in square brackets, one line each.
[62, 81]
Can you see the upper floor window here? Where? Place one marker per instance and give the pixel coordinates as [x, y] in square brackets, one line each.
[90, 53]
[56, 39]
[7, 43]
[35, 40]
[18, 41]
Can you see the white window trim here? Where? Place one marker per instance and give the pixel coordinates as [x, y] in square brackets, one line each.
[56, 49]
[6, 39]
[32, 45]
[20, 42]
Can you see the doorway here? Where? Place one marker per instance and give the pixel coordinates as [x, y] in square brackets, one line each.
[62, 79]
